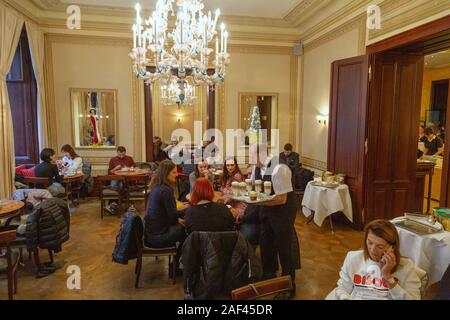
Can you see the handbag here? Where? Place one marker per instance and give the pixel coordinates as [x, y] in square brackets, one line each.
[263, 289]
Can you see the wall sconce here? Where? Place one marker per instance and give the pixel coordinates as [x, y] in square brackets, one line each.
[322, 119]
[179, 118]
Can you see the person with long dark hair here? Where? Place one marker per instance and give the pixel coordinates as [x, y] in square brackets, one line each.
[163, 222]
[73, 163]
[201, 171]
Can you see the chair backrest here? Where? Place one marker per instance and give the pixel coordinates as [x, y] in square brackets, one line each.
[37, 181]
[263, 289]
[141, 181]
[110, 178]
[7, 235]
[105, 181]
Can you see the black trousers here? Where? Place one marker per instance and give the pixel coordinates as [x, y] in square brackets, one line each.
[277, 226]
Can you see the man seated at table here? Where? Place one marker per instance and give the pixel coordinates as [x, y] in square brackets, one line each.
[116, 164]
[289, 157]
[120, 161]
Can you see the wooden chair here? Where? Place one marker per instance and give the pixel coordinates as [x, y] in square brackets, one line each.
[110, 192]
[12, 260]
[137, 188]
[181, 179]
[299, 193]
[144, 251]
[37, 182]
[262, 289]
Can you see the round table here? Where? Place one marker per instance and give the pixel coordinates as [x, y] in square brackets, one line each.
[136, 172]
[67, 183]
[11, 210]
[72, 178]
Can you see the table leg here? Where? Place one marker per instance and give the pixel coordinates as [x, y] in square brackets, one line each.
[311, 217]
[331, 223]
[429, 193]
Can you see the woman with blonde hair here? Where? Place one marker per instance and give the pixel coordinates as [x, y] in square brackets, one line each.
[378, 272]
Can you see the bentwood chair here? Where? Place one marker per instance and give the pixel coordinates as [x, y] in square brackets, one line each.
[183, 185]
[263, 289]
[137, 188]
[144, 251]
[9, 260]
[110, 191]
[37, 182]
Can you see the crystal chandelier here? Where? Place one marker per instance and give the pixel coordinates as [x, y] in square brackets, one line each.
[184, 52]
[178, 92]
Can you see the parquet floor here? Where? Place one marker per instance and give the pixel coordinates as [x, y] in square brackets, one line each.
[92, 242]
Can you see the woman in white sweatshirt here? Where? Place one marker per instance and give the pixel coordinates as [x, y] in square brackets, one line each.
[73, 163]
[378, 271]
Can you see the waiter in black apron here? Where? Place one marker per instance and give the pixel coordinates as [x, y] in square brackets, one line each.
[277, 217]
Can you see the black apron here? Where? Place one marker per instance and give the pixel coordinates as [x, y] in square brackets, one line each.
[283, 214]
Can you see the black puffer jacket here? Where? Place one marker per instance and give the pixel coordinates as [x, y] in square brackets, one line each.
[48, 225]
[129, 238]
[216, 263]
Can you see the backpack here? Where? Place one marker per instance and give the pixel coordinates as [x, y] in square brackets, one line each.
[301, 177]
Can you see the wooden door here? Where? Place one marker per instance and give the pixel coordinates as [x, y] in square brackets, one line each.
[394, 112]
[347, 129]
[22, 91]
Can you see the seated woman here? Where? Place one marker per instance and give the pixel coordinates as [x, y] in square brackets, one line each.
[72, 162]
[378, 271]
[201, 171]
[433, 144]
[205, 215]
[162, 220]
[48, 169]
[247, 215]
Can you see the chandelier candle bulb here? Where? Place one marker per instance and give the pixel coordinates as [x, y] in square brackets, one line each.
[191, 43]
[226, 38]
[222, 28]
[215, 18]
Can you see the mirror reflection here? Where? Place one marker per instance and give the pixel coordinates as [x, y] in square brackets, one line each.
[94, 117]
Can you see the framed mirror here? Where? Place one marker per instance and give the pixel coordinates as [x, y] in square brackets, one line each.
[268, 110]
[94, 117]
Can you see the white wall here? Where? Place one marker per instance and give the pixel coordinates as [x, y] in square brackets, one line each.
[316, 90]
[106, 66]
[258, 72]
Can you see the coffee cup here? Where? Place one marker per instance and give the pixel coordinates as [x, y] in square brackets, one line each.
[248, 183]
[267, 187]
[258, 186]
[242, 186]
[253, 195]
[235, 188]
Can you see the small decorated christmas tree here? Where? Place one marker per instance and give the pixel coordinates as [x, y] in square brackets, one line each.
[255, 125]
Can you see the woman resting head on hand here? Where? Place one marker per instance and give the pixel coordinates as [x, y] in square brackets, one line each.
[378, 271]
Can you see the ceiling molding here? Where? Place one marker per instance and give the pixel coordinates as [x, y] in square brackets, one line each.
[26, 9]
[336, 33]
[403, 13]
[313, 27]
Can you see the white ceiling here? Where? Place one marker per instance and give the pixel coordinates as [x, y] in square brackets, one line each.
[438, 59]
[253, 8]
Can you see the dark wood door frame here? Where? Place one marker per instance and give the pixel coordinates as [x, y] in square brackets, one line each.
[430, 37]
[422, 35]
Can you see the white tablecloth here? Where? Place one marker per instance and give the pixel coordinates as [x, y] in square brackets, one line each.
[429, 252]
[326, 201]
